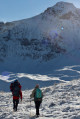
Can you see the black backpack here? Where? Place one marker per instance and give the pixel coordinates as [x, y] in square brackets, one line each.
[16, 91]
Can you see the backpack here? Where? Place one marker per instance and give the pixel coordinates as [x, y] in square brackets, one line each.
[16, 91]
[38, 94]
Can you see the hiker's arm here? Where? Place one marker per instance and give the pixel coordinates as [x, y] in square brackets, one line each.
[32, 95]
[21, 95]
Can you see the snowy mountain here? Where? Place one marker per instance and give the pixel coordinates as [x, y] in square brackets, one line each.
[42, 50]
[35, 49]
[42, 37]
[61, 101]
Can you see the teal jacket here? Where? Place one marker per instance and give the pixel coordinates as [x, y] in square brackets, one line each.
[33, 95]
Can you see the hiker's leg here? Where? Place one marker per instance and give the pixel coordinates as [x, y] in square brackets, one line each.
[39, 102]
[37, 107]
[14, 104]
[17, 101]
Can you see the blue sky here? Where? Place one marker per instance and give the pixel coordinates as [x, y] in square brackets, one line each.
[12, 10]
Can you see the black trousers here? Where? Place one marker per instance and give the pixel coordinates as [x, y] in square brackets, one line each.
[15, 104]
[37, 106]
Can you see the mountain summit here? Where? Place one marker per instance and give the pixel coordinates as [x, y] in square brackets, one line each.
[64, 6]
[61, 8]
[43, 37]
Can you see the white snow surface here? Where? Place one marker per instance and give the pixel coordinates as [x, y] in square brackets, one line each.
[60, 101]
[63, 68]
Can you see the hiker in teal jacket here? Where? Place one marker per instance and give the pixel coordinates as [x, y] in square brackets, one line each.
[37, 95]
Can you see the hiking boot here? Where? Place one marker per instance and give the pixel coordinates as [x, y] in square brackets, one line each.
[37, 116]
[14, 110]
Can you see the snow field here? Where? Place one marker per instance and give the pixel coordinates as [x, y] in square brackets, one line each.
[61, 101]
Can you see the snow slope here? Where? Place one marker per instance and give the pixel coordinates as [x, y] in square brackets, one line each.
[42, 37]
[61, 101]
[39, 47]
[44, 73]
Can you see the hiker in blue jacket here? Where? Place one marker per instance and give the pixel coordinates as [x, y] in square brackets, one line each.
[37, 95]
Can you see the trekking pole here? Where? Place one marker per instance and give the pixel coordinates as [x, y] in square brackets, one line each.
[30, 106]
[42, 109]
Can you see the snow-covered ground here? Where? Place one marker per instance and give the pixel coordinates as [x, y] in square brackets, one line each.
[61, 69]
[61, 101]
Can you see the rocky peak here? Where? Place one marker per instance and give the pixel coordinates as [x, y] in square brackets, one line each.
[61, 8]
